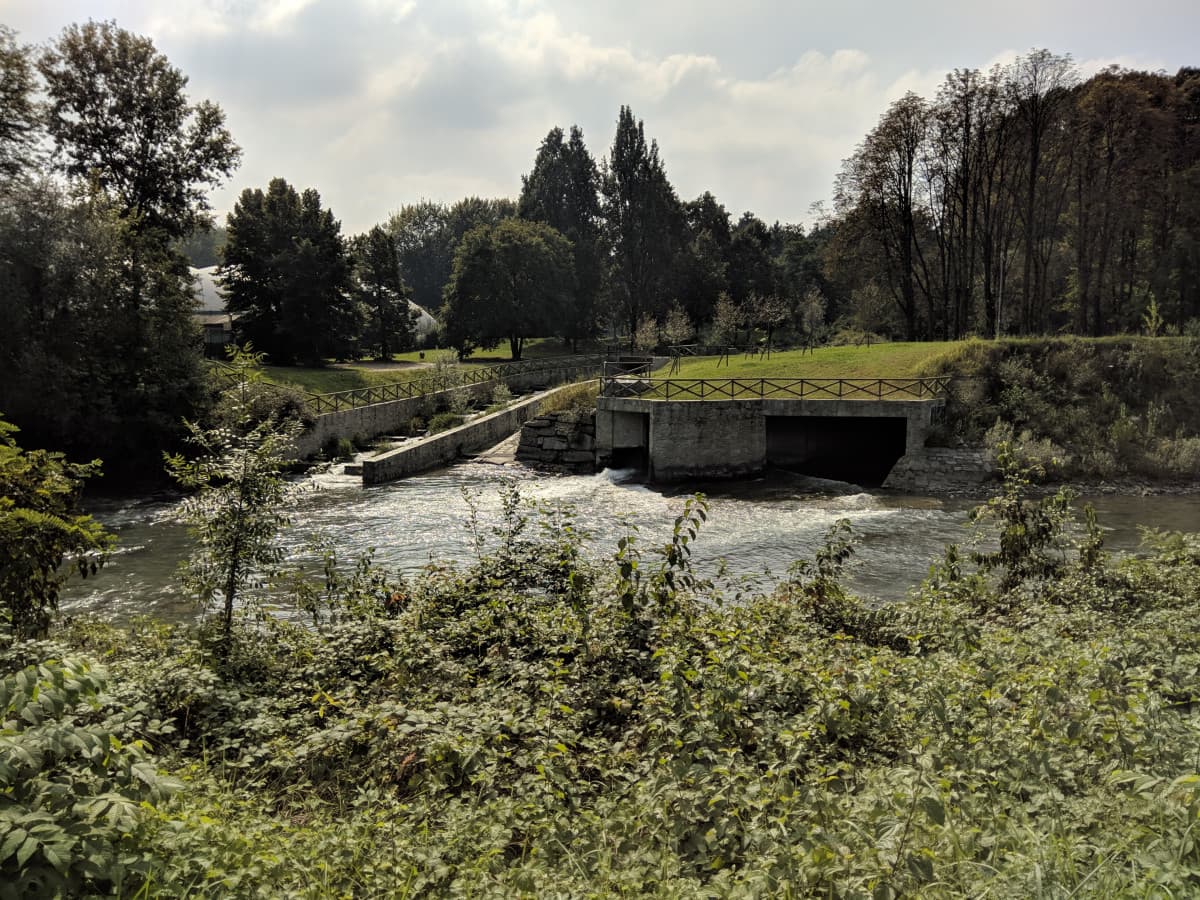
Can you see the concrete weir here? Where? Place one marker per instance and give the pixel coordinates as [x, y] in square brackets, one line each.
[436, 450]
[679, 440]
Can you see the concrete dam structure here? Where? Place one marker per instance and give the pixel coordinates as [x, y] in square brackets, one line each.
[677, 432]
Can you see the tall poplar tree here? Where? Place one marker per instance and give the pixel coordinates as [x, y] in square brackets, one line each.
[644, 221]
[563, 191]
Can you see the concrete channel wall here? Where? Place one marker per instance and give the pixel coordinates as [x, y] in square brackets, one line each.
[393, 416]
[682, 440]
[441, 449]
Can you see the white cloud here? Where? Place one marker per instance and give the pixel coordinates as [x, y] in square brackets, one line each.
[382, 102]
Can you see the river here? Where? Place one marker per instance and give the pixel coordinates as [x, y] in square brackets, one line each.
[758, 527]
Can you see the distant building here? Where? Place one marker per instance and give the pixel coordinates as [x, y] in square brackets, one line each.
[216, 323]
[426, 323]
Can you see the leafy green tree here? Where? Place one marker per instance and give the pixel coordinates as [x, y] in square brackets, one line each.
[18, 111]
[510, 282]
[241, 495]
[644, 221]
[119, 117]
[40, 526]
[750, 269]
[383, 293]
[428, 233]
[563, 191]
[82, 367]
[286, 276]
[425, 250]
[704, 265]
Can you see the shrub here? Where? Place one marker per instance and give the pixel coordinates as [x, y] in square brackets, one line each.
[75, 818]
[579, 397]
[444, 421]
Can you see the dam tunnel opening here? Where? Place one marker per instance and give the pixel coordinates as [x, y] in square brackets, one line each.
[630, 441]
[858, 449]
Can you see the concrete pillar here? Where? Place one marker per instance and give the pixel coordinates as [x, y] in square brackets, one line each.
[709, 439]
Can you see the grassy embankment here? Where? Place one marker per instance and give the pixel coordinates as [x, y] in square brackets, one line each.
[876, 361]
[1102, 408]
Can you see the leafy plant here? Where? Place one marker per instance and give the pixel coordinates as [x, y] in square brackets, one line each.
[40, 526]
[241, 494]
[75, 799]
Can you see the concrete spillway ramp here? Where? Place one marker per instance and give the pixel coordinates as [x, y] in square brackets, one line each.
[441, 449]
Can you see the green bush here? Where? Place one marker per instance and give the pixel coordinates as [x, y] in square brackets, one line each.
[579, 397]
[1105, 404]
[76, 810]
[444, 421]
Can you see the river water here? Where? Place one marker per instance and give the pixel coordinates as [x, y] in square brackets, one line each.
[758, 527]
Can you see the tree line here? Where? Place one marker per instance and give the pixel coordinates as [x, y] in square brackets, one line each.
[105, 164]
[1021, 200]
[1027, 200]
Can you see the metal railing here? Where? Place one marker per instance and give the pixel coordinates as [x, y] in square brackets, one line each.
[431, 384]
[647, 388]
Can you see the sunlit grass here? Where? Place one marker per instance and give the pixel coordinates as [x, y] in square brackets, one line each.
[877, 361]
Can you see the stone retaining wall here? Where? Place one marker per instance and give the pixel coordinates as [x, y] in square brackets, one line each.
[938, 469]
[560, 440]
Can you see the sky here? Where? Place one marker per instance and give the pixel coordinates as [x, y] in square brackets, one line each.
[381, 103]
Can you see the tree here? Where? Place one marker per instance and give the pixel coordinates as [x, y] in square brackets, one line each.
[879, 185]
[562, 191]
[18, 111]
[383, 293]
[768, 312]
[40, 526]
[428, 233]
[286, 276]
[82, 369]
[425, 250]
[750, 270]
[241, 495]
[704, 274]
[1039, 86]
[646, 336]
[119, 117]
[644, 221]
[510, 282]
[727, 319]
[677, 328]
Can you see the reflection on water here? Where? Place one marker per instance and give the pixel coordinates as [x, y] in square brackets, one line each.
[759, 527]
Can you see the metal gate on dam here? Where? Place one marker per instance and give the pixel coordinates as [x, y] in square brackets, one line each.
[681, 429]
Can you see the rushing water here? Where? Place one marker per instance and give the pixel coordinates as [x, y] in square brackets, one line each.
[759, 527]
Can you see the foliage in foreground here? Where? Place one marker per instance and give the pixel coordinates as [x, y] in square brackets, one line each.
[533, 725]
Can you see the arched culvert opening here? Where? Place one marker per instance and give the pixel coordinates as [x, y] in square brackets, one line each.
[845, 448]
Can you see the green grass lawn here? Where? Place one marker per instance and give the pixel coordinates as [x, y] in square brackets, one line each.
[897, 360]
[347, 377]
[876, 361]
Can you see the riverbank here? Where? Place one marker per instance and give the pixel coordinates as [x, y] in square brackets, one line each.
[528, 722]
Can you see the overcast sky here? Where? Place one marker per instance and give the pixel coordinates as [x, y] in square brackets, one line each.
[379, 103]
